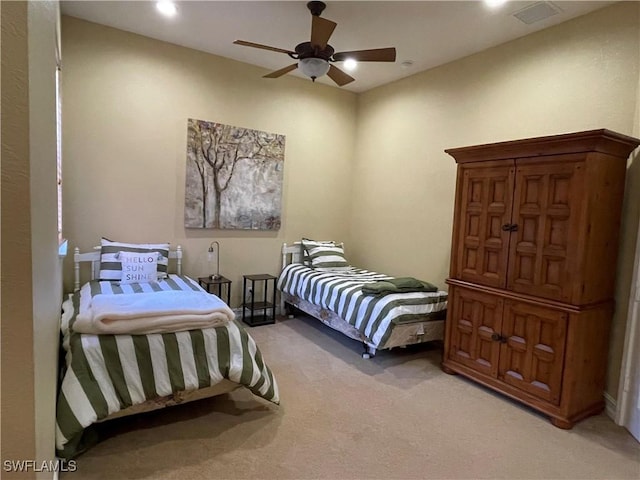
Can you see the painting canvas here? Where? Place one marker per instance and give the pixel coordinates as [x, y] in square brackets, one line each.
[234, 177]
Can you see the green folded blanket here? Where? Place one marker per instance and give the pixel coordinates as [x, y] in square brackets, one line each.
[398, 285]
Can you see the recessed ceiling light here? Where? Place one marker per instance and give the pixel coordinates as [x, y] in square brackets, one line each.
[350, 64]
[494, 3]
[407, 64]
[167, 8]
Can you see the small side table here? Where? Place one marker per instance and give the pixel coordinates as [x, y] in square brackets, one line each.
[268, 308]
[208, 282]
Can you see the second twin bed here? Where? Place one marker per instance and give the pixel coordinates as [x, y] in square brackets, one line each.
[345, 298]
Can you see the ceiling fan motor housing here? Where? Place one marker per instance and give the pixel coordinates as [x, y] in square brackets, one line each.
[316, 8]
[306, 50]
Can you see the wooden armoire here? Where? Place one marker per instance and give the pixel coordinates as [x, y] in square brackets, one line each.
[533, 266]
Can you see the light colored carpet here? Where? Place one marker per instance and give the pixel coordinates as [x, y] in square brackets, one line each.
[396, 416]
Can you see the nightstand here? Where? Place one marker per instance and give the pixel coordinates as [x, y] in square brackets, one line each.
[266, 309]
[220, 282]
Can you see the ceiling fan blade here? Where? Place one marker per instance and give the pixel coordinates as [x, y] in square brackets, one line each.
[321, 30]
[339, 76]
[263, 47]
[281, 72]
[374, 55]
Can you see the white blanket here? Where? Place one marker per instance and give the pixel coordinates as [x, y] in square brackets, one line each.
[156, 312]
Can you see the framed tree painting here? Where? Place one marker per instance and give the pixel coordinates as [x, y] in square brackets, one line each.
[234, 177]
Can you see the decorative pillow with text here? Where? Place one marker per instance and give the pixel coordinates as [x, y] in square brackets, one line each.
[111, 267]
[139, 267]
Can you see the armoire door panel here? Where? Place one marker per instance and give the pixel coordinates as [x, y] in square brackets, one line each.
[545, 210]
[485, 207]
[474, 319]
[531, 357]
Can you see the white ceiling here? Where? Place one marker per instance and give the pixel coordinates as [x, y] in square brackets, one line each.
[428, 33]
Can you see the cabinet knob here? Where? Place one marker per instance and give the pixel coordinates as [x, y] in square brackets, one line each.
[496, 337]
[510, 227]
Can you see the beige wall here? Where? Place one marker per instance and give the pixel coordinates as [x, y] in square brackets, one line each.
[18, 426]
[32, 274]
[580, 75]
[126, 103]
[46, 265]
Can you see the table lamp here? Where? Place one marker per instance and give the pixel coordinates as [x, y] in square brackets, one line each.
[210, 254]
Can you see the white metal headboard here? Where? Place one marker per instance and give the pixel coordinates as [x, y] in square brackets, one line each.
[94, 258]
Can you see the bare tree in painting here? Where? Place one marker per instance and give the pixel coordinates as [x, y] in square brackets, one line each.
[232, 144]
[196, 150]
[216, 150]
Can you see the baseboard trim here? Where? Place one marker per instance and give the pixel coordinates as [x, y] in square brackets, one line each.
[610, 406]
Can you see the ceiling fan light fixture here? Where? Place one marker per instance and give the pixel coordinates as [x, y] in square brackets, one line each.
[313, 67]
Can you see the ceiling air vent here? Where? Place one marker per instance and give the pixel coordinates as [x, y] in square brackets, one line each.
[536, 12]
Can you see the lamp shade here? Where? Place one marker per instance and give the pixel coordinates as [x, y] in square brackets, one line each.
[313, 67]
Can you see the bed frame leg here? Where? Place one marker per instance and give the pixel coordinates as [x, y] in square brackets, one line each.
[369, 352]
[288, 310]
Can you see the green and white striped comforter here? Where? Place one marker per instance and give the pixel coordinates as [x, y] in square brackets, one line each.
[341, 293]
[107, 373]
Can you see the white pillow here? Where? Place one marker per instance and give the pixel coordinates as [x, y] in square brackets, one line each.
[139, 267]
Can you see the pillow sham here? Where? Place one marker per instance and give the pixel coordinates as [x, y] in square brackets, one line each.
[325, 256]
[111, 267]
[307, 243]
[138, 267]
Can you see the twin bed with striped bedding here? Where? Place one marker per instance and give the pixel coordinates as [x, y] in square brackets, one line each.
[107, 376]
[336, 297]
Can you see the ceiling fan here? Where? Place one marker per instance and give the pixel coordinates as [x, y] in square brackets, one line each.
[315, 57]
